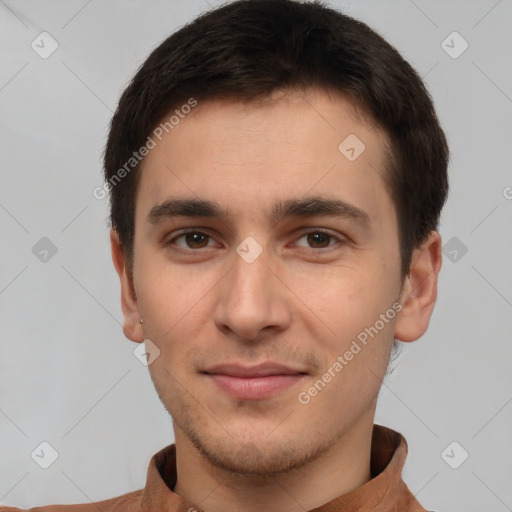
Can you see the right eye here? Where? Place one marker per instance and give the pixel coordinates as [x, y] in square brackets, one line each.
[192, 239]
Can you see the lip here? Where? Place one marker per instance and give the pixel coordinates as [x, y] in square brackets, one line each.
[254, 382]
[260, 370]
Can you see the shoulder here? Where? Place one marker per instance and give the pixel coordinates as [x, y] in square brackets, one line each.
[127, 503]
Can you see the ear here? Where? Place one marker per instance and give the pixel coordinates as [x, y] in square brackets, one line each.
[419, 292]
[132, 327]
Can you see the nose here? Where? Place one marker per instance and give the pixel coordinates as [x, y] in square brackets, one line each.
[252, 301]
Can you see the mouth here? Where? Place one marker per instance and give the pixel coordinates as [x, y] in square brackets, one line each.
[254, 382]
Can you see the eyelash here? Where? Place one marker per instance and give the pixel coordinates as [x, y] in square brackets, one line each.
[312, 231]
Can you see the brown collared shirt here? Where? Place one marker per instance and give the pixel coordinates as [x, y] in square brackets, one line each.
[385, 492]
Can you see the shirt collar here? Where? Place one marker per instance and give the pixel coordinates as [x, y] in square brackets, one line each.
[385, 492]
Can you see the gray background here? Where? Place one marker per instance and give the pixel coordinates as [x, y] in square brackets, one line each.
[67, 374]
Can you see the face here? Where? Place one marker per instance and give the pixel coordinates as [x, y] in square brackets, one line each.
[273, 305]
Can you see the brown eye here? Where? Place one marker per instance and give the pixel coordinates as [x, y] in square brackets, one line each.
[193, 240]
[319, 239]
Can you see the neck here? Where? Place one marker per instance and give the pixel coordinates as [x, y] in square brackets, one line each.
[345, 466]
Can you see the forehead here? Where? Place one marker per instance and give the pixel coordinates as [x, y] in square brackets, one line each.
[245, 154]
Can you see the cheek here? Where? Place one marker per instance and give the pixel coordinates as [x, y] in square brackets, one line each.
[171, 295]
[347, 324]
[343, 299]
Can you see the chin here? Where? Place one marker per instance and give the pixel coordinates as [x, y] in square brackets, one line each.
[257, 455]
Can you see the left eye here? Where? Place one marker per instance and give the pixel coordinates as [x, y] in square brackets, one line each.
[319, 239]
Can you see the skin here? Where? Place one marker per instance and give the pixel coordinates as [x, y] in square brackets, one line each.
[301, 302]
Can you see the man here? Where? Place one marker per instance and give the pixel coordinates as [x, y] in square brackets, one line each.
[277, 173]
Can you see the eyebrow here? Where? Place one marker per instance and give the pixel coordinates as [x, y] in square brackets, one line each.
[305, 207]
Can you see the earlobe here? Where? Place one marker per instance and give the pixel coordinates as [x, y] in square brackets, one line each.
[419, 292]
[132, 326]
